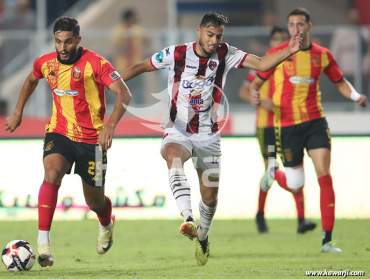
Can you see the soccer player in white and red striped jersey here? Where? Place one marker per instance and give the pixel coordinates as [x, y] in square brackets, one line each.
[196, 75]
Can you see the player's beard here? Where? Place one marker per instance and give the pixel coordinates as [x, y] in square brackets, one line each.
[202, 45]
[73, 56]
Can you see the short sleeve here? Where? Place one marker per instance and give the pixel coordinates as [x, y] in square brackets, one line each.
[107, 73]
[163, 59]
[332, 70]
[235, 57]
[265, 75]
[37, 73]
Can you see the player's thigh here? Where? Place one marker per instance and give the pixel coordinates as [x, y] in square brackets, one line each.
[290, 145]
[206, 160]
[176, 149]
[318, 145]
[94, 196]
[58, 157]
[91, 164]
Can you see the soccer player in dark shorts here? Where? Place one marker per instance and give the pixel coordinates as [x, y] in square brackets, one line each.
[266, 139]
[76, 133]
[299, 118]
[196, 74]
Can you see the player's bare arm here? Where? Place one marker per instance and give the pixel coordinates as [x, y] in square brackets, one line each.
[138, 69]
[15, 119]
[347, 90]
[123, 98]
[270, 61]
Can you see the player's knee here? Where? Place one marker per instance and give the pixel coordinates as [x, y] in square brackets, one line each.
[210, 201]
[96, 205]
[322, 170]
[294, 178]
[53, 176]
[209, 197]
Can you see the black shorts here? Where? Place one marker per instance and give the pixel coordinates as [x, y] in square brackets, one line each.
[292, 140]
[90, 161]
[266, 141]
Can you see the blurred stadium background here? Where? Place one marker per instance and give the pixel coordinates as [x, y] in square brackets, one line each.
[129, 31]
[126, 31]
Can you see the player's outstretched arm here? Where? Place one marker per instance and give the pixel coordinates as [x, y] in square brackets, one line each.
[138, 69]
[15, 118]
[270, 61]
[347, 90]
[123, 98]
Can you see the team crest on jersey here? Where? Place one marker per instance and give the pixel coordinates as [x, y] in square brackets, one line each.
[212, 65]
[315, 60]
[49, 146]
[52, 75]
[289, 67]
[76, 74]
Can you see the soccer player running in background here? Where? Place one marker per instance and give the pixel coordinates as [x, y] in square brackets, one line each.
[299, 118]
[266, 138]
[76, 133]
[196, 76]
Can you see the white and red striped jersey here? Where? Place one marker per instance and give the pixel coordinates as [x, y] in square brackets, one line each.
[195, 84]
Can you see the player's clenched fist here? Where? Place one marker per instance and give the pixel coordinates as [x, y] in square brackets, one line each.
[13, 121]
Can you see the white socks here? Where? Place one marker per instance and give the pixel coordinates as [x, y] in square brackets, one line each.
[206, 216]
[43, 237]
[181, 191]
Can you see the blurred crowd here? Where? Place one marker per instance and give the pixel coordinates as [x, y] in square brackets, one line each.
[130, 43]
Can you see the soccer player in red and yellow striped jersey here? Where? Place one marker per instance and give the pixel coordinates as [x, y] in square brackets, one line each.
[76, 133]
[266, 138]
[299, 119]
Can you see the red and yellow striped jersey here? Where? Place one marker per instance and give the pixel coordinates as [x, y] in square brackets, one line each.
[78, 94]
[297, 96]
[264, 117]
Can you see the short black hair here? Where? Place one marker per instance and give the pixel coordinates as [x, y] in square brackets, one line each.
[301, 11]
[214, 19]
[66, 23]
[277, 29]
[128, 14]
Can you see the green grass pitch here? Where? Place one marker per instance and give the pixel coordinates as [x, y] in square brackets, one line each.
[155, 249]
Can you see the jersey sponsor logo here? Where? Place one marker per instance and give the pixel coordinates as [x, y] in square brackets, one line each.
[115, 75]
[62, 92]
[196, 102]
[190, 67]
[197, 84]
[159, 57]
[212, 65]
[301, 80]
[76, 74]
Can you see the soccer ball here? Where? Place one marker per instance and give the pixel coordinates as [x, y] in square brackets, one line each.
[18, 256]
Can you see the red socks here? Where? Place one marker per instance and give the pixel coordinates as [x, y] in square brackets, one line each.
[327, 202]
[299, 203]
[48, 196]
[106, 215]
[261, 201]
